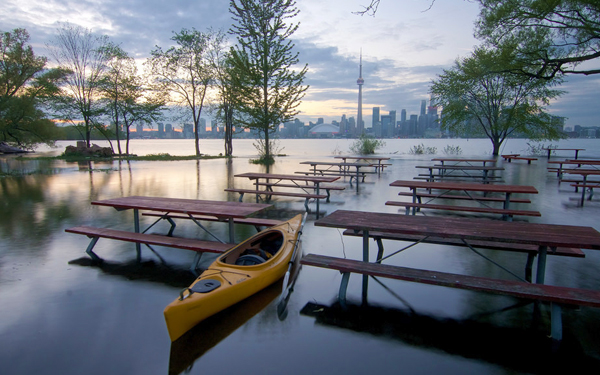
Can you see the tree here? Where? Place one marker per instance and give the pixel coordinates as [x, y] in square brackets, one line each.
[551, 37]
[184, 72]
[127, 101]
[479, 97]
[264, 72]
[85, 56]
[227, 98]
[25, 85]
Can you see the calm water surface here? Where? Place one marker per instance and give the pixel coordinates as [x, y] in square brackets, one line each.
[61, 314]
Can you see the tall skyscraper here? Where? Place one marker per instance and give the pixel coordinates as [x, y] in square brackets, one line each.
[376, 120]
[360, 126]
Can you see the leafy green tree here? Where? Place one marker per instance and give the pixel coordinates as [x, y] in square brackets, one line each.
[184, 72]
[224, 106]
[85, 55]
[25, 85]
[264, 68]
[127, 100]
[551, 37]
[479, 97]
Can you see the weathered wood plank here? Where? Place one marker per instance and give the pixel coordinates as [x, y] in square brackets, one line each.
[467, 228]
[548, 293]
[504, 246]
[490, 210]
[152, 239]
[464, 197]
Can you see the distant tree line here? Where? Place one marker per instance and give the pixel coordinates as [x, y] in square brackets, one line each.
[503, 87]
[98, 90]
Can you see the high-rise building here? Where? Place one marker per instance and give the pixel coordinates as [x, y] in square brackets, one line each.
[360, 125]
[376, 119]
[393, 131]
[423, 107]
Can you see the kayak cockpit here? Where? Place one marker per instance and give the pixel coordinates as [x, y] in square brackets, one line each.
[256, 251]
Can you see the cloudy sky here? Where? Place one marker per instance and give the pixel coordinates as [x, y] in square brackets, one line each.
[404, 47]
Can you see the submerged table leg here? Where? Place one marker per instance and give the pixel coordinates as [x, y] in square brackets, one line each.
[365, 280]
[136, 227]
[541, 268]
[231, 231]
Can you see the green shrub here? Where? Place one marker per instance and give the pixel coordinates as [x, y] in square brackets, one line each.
[538, 149]
[366, 145]
[421, 150]
[452, 150]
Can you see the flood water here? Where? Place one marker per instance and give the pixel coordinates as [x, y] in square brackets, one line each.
[62, 314]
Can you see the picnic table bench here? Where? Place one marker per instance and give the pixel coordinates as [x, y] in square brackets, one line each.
[421, 195]
[506, 213]
[199, 246]
[556, 295]
[511, 157]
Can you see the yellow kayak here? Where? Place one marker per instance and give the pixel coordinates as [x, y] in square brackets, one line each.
[237, 274]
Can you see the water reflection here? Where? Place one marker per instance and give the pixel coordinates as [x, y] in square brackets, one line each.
[515, 348]
[186, 350]
[40, 262]
[147, 270]
[27, 208]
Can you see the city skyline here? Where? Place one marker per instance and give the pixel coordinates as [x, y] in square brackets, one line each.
[404, 46]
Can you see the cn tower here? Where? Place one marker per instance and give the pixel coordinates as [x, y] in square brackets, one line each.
[360, 125]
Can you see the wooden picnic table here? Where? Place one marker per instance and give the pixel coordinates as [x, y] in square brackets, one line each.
[584, 173]
[543, 236]
[457, 161]
[343, 169]
[468, 188]
[378, 166]
[302, 182]
[224, 210]
[470, 232]
[550, 149]
[445, 171]
[577, 162]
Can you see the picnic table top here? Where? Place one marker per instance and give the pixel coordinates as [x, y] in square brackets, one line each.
[220, 209]
[491, 188]
[575, 161]
[582, 171]
[341, 164]
[362, 157]
[291, 177]
[466, 228]
[465, 160]
[463, 167]
[563, 149]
